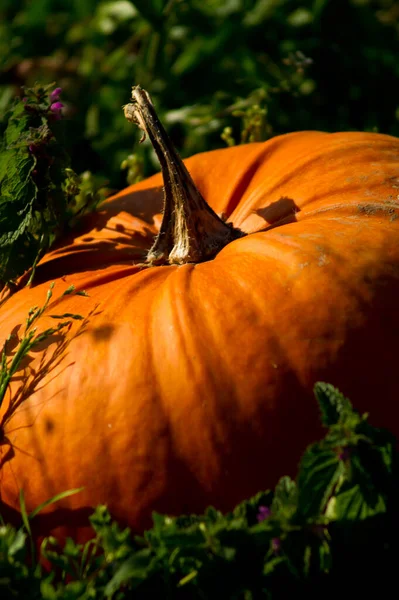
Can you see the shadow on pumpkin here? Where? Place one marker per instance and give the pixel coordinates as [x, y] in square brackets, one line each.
[142, 205]
[96, 242]
[279, 213]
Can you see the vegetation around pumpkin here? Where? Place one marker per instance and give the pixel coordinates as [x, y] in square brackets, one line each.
[330, 531]
[326, 65]
[10, 363]
[269, 68]
[41, 196]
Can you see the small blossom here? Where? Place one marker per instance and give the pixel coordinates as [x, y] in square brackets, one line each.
[55, 95]
[264, 513]
[276, 545]
[56, 108]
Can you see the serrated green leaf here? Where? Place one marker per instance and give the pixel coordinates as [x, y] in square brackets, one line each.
[352, 505]
[18, 247]
[334, 406]
[284, 504]
[37, 187]
[319, 472]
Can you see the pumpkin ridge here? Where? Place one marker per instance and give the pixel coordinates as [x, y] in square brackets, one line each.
[286, 177]
[243, 184]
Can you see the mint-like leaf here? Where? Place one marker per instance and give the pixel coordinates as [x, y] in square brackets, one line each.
[319, 473]
[284, 502]
[18, 194]
[40, 196]
[334, 406]
[352, 504]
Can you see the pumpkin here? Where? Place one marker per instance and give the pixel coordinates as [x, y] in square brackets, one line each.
[190, 382]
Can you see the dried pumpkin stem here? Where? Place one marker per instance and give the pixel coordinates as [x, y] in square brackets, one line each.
[190, 231]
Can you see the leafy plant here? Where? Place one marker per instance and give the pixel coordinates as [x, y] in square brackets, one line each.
[40, 195]
[281, 542]
[201, 60]
[14, 359]
[31, 338]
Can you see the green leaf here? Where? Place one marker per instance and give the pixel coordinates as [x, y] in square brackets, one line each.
[18, 543]
[69, 290]
[284, 504]
[352, 505]
[54, 499]
[134, 570]
[185, 538]
[273, 564]
[333, 405]
[319, 472]
[187, 578]
[325, 557]
[24, 514]
[48, 591]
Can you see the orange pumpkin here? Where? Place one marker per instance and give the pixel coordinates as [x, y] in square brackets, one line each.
[191, 384]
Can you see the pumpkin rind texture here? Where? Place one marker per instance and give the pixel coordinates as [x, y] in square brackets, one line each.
[188, 386]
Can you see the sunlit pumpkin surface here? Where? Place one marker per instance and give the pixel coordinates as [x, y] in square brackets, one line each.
[192, 385]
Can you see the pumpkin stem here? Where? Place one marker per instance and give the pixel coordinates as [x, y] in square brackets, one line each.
[190, 231]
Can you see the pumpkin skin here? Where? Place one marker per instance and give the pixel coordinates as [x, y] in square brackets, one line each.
[192, 385]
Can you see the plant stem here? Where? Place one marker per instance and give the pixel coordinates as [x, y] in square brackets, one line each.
[190, 231]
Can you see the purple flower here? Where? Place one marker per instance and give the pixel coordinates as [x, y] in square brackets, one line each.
[56, 108]
[55, 95]
[264, 513]
[276, 545]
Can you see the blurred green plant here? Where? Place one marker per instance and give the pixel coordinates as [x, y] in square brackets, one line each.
[314, 64]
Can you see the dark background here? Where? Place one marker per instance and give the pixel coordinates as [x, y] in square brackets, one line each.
[259, 67]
